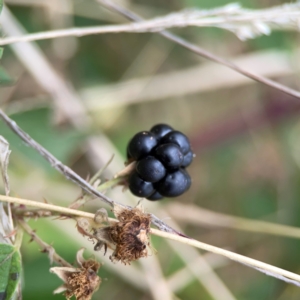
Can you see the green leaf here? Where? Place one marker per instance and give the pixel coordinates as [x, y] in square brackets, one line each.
[1, 5]
[1, 51]
[10, 271]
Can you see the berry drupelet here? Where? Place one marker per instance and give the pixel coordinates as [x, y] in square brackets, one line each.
[141, 145]
[161, 156]
[150, 169]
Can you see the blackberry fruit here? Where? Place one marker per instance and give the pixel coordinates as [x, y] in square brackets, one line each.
[150, 169]
[161, 156]
[139, 187]
[160, 130]
[178, 138]
[187, 159]
[141, 145]
[170, 155]
[174, 184]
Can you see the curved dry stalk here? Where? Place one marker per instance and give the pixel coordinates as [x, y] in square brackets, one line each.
[63, 210]
[200, 51]
[250, 262]
[245, 23]
[142, 26]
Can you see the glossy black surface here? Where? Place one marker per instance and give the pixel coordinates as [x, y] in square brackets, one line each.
[141, 145]
[174, 184]
[150, 169]
[178, 138]
[170, 155]
[139, 187]
[187, 159]
[160, 130]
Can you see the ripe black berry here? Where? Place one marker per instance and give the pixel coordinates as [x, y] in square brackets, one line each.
[174, 184]
[150, 169]
[155, 196]
[141, 144]
[160, 130]
[161, 156]
[178, 138]
[187, 159]
[139, 187]
[170, 155]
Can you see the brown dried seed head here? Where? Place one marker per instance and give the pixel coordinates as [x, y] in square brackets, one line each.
[131, 235]
[84, 283]
[80, 282]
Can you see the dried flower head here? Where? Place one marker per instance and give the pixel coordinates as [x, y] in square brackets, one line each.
[80, 282]
[128, 238]
[130, 234]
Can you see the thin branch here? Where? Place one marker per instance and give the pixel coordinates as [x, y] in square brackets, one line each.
[53, 256]
[148, 26]
[200, 51]
[63, 210]
[78, 32]
[70, 174]
[55, 163]
[252, 263]
[245, 23]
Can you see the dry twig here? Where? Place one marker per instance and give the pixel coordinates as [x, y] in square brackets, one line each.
[252, 263]
[200, 51]
[245, 23]
[70, 174]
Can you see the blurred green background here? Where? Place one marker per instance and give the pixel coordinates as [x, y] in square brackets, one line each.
[245, 137]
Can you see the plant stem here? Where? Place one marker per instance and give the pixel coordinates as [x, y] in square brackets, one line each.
[250, 262]
[71, 175]
[46, 206]
[55, 163]
[46, 247]
[200, 51]
[260, 266]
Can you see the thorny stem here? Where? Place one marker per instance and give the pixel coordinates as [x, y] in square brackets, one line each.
[45, 247]
[101, 188]
[200, 51]
[71, 175]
